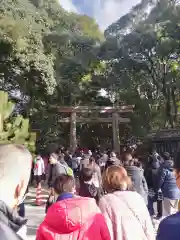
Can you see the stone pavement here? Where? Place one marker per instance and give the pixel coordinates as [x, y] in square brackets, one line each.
[34, 214]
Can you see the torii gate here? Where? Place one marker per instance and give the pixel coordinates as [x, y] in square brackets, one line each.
[115, 120]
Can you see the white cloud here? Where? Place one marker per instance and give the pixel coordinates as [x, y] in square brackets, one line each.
[111, 10]
[104, 11]
[68, 5]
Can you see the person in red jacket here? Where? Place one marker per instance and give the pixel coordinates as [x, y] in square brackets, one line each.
[72, 217]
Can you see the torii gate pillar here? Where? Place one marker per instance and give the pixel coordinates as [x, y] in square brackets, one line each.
[73, 139]
[115, 129]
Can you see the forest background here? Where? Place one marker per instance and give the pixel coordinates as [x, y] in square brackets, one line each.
[51, 58]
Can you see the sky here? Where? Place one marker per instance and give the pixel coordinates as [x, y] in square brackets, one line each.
[104, 11]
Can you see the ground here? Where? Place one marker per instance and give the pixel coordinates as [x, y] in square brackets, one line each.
[35, 214]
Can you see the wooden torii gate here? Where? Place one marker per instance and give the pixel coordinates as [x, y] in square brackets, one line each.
[115, 119]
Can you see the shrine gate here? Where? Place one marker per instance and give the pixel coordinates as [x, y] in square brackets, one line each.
[115, 119]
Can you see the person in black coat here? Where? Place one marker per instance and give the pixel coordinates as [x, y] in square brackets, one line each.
[87, 187]
[151, 175]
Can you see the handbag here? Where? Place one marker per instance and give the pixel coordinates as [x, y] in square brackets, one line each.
[134, 214]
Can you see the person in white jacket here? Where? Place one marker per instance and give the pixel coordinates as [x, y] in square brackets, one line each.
[125, 211]
[39, 170]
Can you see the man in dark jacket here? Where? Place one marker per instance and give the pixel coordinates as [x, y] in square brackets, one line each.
[56, 168]
[151, 175]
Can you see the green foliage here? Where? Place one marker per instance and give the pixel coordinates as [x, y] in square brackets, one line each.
[24, 27]
[44, 53]
[56, 58]
[14, 129]
[143, 64]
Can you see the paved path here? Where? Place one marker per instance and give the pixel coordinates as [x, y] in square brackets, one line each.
[35, 214]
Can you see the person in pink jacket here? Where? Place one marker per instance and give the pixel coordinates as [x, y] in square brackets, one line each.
[72, 217]
[125, 211]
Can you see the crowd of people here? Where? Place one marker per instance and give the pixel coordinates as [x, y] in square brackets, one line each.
[92, 195]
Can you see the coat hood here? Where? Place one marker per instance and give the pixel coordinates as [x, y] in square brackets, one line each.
[67, 216]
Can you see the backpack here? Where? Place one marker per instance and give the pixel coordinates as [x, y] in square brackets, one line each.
[70, 172]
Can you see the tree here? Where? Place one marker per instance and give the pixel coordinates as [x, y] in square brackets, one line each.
[44, 53]
[143, 65]
[14, 129]
[24, 64]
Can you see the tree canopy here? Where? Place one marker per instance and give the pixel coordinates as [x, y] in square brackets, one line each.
[144, 62]
[51, 58]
